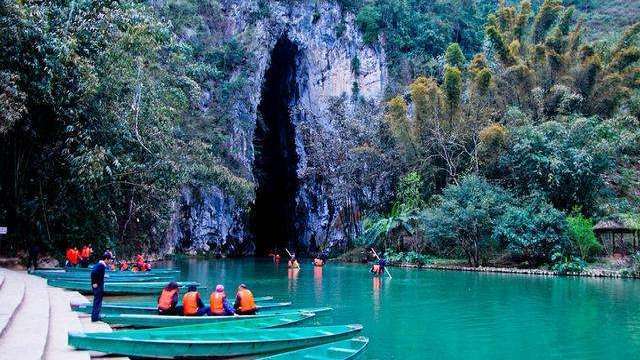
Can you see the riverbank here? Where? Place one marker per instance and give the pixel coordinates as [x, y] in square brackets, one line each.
[610, 267]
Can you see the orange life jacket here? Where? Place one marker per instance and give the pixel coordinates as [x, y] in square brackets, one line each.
[85, 253]
[69, 254]
[74, 256]
[190, 303]
[124, 266]
[376, 268]
[166, 299]
[246, 300]
[216, 302]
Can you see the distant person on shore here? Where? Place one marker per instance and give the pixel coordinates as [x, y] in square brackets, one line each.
[72, 257]
[192, 304]
[168, 300]
[34, 250]
[85, 255]
[97, 285]
[245, 303]
[219, 304]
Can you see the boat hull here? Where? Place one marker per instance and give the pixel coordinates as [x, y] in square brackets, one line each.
[216, 344]
[152, 321]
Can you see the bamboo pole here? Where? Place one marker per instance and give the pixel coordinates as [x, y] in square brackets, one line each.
[385, 268]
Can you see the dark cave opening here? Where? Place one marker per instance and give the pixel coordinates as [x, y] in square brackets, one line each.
[275, 163]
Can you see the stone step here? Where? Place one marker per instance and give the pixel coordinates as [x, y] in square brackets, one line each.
[61, 321]
[11, 297]
[26, 335]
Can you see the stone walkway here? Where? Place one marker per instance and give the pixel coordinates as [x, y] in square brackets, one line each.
[35, 319]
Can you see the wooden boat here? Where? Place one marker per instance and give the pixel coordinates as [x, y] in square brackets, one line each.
[151, 309]
[80, 271]
[149, 321]
[152, 301]
[152, 271]
[110, 275]
[128, 279]
[215, 343]
[242, 324]
[117, 288]
[339, 350]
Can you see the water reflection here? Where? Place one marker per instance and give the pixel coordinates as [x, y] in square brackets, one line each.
[317, 282]
[292, 275]
[377, 285]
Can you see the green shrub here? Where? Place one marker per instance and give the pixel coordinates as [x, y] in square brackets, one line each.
[582, 237]
[567, 264]
[531, 233]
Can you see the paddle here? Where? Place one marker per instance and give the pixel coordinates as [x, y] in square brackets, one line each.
[385, 268]
[290, 256]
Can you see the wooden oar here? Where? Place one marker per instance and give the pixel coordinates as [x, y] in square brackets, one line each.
[385, 268]
[290, 256]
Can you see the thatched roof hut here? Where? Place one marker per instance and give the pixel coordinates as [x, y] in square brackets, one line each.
[617, 236]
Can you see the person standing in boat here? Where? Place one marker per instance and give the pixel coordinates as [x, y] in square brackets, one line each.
[97, 285]
[192, 304]
[245, 303]
[168, 300]
[219, 304]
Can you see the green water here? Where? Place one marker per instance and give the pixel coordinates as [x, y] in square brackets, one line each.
[426, 314]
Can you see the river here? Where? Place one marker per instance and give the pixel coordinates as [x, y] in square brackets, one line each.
[429, 314]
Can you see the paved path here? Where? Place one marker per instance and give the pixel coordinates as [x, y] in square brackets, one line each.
[35, 319]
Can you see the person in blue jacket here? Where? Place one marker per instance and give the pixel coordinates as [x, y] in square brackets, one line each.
[97, 284]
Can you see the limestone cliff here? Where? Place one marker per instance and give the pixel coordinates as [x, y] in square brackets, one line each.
[336, 86]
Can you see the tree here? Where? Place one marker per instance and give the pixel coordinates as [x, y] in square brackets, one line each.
[465, 217]
[582, 237]
[532, 232]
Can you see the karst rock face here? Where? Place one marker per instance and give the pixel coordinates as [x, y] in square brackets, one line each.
[325, 216]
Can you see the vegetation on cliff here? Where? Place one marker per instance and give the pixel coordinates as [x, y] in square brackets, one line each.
[540, 125]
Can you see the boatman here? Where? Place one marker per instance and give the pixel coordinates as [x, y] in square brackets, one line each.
[219, 304]
[192, 304]
[293, 263]
[168, 300]
[97, 285]
[245, 304]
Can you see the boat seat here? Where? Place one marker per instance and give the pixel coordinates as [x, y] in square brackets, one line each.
[342, 350]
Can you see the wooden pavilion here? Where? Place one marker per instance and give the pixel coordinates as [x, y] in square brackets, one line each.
[616, 237]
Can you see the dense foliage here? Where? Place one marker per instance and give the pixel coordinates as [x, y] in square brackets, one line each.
[98, 128]
[538, 124]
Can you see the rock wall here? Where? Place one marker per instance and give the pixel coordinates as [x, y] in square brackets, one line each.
[328, 41]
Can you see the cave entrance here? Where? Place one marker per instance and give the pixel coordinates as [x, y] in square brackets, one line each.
[276, 159]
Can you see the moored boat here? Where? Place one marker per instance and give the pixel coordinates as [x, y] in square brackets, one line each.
[149, 321]
[215, 343]
[117, 288]
[242, 324]
[153, 309]
[339, 350]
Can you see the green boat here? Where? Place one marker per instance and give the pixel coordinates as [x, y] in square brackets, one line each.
[339, 350]
[152, 301]
[152, 271]
[215, 343]
[117, 288]
[146, 279]
[242, 324]
[113, 274]
[153, 309]
[152, 321]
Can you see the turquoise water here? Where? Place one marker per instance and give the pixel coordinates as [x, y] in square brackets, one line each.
[427, 314]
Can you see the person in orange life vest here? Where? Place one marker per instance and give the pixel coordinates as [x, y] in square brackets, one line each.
[218, 303]
[74, 257]
[192, 304]
[168, 300]
[147, 267]
[69, 257]
[140, 262]
[85, 254]
[245, 304]
[124, 265]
